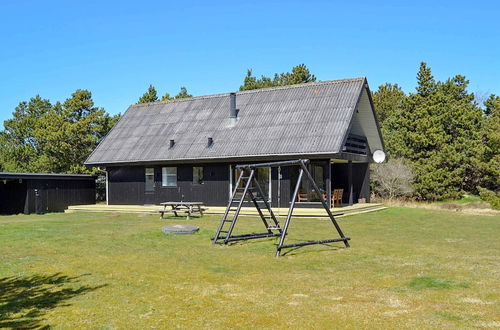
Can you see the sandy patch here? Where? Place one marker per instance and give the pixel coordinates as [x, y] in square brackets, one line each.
[453, 240]
[300, 295]
[336, 298]
[392, 302]
[476, 301]
[492, 324]
[396, 313]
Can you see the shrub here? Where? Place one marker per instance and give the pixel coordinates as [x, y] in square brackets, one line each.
[392, 179]
[491, 197]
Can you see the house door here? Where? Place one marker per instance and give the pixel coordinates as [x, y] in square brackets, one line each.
[41, 200]
[149, 185]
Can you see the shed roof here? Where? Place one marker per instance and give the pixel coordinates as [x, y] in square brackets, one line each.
[53, 176]
[299, 120]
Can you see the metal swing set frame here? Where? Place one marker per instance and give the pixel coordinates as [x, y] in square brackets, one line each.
[250, 187]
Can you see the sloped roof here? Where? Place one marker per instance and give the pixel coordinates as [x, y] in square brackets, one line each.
[55, 176]
[305, 119]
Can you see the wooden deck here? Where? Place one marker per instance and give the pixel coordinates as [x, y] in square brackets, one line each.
[219, 210]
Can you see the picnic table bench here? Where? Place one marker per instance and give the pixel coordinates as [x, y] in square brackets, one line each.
[186, 207]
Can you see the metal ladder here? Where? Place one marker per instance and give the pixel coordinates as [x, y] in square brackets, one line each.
[251, 188]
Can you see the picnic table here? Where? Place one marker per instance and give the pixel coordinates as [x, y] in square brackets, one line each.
[186, 207]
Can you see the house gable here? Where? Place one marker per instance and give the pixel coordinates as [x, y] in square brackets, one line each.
[365, 123]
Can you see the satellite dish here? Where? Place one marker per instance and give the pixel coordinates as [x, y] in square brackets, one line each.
[378, 156]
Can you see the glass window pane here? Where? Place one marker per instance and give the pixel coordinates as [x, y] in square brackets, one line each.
[150, 179]
[318, 176]
[262, 176]
[172, 180]
[163, 176]
[197, 175]
[169, 176]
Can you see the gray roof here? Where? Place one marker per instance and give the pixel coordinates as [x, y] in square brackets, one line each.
[61, 176]
[299, 120]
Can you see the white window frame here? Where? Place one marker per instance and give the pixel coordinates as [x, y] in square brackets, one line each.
[169, 179]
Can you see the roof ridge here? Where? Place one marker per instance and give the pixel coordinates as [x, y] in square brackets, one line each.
[313, 83]
[258, 90]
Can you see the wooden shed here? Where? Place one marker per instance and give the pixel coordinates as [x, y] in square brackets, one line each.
[41, 193]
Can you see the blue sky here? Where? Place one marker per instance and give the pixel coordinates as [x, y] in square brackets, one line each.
[116, 49]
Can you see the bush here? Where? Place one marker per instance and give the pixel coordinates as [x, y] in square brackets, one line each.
[392, 179]
[491, 197]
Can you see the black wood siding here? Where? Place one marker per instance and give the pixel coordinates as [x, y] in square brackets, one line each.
[126, 184]
[55, 195]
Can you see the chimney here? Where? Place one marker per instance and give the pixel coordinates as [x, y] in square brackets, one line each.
[233, 112]
[172, 143]
[210, 142]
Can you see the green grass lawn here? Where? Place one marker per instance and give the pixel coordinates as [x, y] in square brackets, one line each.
[406, 267]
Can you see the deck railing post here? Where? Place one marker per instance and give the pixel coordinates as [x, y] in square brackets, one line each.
[349, 183]
[329, 184]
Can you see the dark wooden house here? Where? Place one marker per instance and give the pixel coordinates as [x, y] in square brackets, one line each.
[186, 149]
[40, 193]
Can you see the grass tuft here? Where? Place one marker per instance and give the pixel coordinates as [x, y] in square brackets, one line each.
[449, 316]
[220, 270]
[419, 283]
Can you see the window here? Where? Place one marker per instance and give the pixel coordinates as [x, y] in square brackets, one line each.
[317, 172]
[263, 176]
[150, 179]
[169, 176]
[197, 175]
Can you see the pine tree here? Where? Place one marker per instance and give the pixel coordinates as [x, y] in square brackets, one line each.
[42, 137]
[20, 149]
[166, 97]
[388, 99]
[489, 161]
[183, 93]
[438, 130]
[299, 74]
[149, 96]
[426, 84]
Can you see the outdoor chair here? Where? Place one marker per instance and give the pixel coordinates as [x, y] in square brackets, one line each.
[325, 199]
[302, 197]
[337, 197]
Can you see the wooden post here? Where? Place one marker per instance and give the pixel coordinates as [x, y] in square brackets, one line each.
[349, 180]
[329, 183]
[107, 186]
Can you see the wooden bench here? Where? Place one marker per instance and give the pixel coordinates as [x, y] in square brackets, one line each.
[185, 207]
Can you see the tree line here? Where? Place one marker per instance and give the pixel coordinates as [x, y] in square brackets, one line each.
[440, 140]
[450, 141]
[53, 138]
